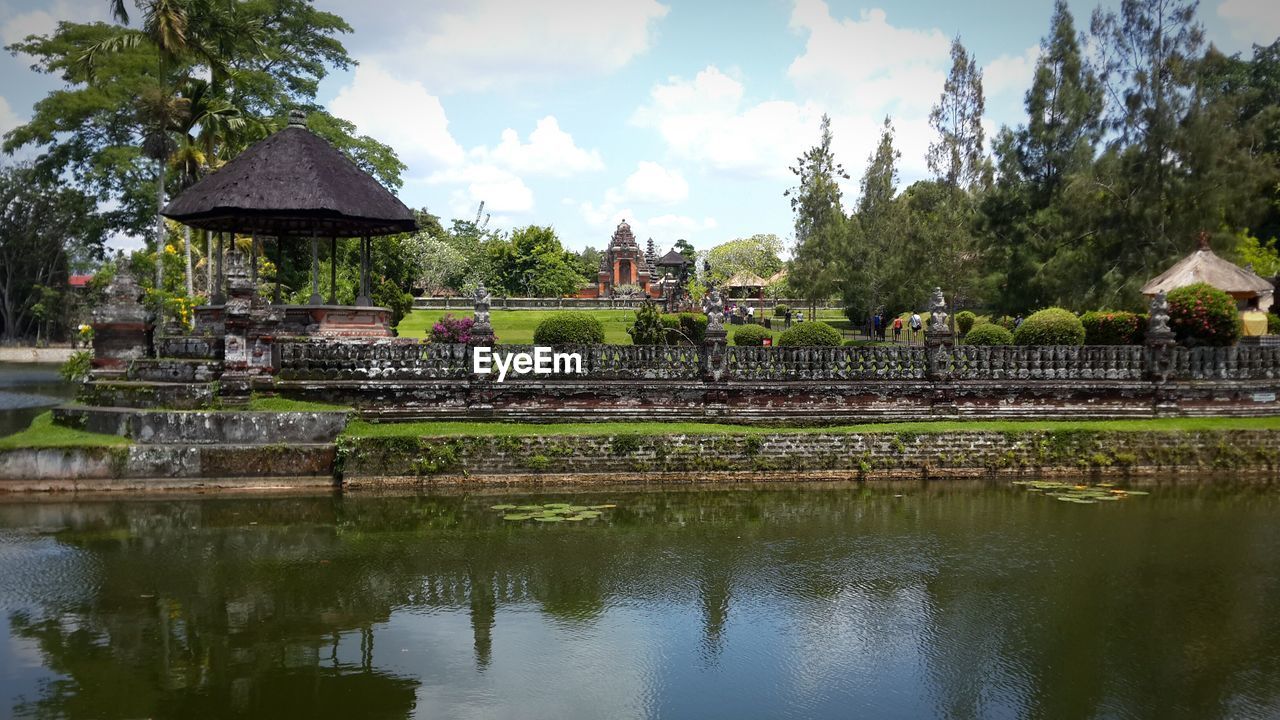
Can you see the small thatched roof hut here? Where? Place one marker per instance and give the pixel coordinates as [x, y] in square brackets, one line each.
[1205, 266]
[293, 183]
[746, 280]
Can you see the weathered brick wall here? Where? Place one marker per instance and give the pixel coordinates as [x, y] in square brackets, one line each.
[925, 455]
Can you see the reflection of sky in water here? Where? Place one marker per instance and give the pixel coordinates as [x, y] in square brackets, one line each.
[950, 603]
[25, 390]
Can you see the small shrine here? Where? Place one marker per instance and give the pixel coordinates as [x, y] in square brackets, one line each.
[623, 264]
[1205, 266]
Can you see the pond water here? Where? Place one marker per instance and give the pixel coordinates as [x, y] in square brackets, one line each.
[26, 390]
[890, 601]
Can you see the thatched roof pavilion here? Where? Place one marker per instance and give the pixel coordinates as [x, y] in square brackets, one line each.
[294, 184]
[1205, 266]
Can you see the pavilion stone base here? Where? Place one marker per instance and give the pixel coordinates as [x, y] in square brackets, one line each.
[336, 321]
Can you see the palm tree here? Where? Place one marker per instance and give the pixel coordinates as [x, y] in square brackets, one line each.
[166, 27]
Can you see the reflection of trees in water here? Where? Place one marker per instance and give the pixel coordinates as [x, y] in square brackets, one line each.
[200, 613]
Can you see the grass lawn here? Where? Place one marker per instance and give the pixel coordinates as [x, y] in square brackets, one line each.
[361, 428]
[279, 404]
[516, 327]
[44, 434]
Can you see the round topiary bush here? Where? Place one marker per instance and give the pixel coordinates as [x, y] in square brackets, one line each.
[1051, 326]
[965, 321]
[811, 334]
[569, 328]
[1201, 314]
[780, 310]
[750, 336]
[988, 334]
[1273, 324]
[1112, 327]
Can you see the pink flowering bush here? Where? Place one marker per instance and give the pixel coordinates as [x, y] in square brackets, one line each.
[450, 329]
[1201, 314]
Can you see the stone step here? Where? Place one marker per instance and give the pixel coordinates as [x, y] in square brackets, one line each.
[148, 394]
[195, 347]
[175, 370]
[206, 427]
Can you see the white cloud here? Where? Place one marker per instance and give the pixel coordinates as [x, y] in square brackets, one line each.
[652, 183]
[550, 151]
[400, 113]
[1251, 21]
[500, 190]
[8, 118]
[406, 116]
[17, 28]
[471, 45]
[682, 223]
[705, 120]
[868, 61]
[1010, 73]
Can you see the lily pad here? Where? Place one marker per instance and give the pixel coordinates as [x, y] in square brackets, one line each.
[516, 517]
[549, 518]
[504, 506]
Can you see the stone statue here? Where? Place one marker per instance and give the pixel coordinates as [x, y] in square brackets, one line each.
[713, 308]
[1158, 324]
[483, 299]
[938, 312]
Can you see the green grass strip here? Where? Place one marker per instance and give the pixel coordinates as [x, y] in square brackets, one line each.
[360, 428]
[44, 434]
[279, 404]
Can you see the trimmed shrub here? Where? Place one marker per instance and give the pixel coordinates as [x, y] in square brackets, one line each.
[1201, 314]
[386, 294]
[964, 321]
[1273, 324]
[1051, 326]
[750, 336]
[1006, 322]
[780, 310]
[1112, 327]
[811, 334]
[692, 326]
[569, 328]
[648, 328]
[988, 334]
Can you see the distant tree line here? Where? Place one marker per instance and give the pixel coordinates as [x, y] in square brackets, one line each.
[1125, 155]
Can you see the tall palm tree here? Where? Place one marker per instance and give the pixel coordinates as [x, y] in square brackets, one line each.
[166, 27]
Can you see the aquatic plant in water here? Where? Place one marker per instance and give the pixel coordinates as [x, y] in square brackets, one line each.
[1078, 493]
[551, 512]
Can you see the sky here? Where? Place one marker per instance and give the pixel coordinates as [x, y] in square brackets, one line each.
[681, 116]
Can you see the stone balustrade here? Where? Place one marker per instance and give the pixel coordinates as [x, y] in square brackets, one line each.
[403, 359]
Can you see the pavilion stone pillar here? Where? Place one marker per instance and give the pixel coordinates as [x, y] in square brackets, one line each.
[218, 296]
[715, 341]
[280, 240]
[121, 326]
[315, 298]
[1160, 356]
[333, 270]
[362, 299]
[481, 329]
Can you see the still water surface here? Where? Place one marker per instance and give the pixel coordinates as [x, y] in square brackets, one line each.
[950, 600]
[28, 389]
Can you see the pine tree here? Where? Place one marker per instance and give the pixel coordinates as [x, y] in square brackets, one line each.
[957, 158]
[819, 224]
[1064, 111]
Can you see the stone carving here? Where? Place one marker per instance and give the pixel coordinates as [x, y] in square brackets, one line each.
[713, 308]
[481, 329]
[938, 312]
[1158, 325]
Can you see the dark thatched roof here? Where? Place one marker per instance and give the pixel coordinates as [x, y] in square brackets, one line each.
[292, 183]
[673, 258]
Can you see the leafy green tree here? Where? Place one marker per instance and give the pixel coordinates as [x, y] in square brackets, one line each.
[44, 227]
[757, 254]
[532, 262]
[820, 224]
[685, 248]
